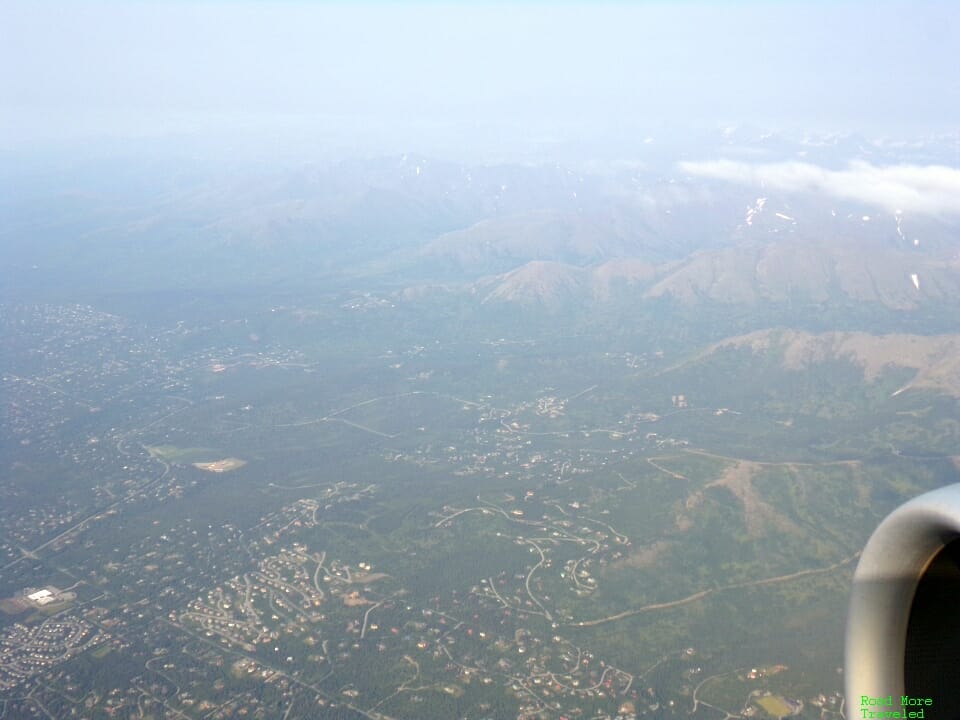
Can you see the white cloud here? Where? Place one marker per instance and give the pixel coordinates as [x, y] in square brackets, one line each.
[929, 189]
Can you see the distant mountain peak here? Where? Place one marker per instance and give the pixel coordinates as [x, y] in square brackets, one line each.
[539, 282]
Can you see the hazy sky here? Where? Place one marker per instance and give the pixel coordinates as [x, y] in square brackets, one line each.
[78, 68]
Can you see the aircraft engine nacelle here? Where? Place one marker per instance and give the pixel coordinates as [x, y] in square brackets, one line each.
[903, 627]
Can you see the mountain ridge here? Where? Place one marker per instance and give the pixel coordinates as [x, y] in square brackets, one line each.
[935, 358]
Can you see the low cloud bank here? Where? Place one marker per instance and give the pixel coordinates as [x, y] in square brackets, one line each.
[928, 189]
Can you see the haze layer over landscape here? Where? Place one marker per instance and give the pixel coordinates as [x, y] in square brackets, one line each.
[483, 361]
